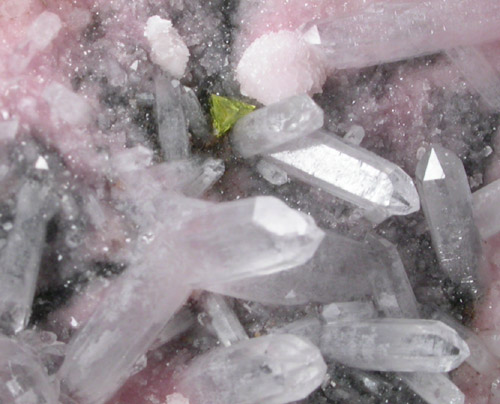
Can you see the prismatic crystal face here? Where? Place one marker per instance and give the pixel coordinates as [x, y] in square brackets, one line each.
[248, 202]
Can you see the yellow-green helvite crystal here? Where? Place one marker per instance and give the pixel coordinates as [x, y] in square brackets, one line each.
[226, 112]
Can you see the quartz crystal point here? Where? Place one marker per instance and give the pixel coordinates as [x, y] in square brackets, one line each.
[269, 127]
[401, 345]
[226, 325]
[478, 72]
[485, 203]
[275, 369]
[337, 272]
[271, 173]
[248, 237]
[349, 172]
[447, 205]
[434, 388]
[197, 122]
[386, 32]
[20, 258]
[172, 125]
[22, 379]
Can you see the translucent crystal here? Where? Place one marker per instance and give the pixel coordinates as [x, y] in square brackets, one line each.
[275, 369]
[22, 254]
[271, 173]
[226, 112]
[337, 272]
[447, 205]
[349, 172]
[172, 125]
[271, 126]
[22, 378]
[66, 106]
[308, 328]
[355, 135]
[8, 129]
[479, 73]
[485, 204]
[248, 237]
[349, 311]
[402, 345]
[197, 122]
[387, 32]
[434, 388]
[178, 324]
[223, 320]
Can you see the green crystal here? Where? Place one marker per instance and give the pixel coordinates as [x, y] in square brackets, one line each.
[226, 112]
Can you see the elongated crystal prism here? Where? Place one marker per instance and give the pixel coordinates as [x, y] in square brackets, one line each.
[248, 237]
[434, 388]
[485, 205]
[22, 378]
[447, 204]
[337, 272]
[387, 32]
[269, 127]
[172, 125]
[20, 258]
[349, 172]
[402, 345]
[275, 369]
[349, 311]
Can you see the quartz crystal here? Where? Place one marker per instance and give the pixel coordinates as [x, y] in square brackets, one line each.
[22, 379]
[275, 369]
[386, 32]
[308, 328]
[337, 272]
[447, 205]
[172, 125]
[348, 311]
[223, 320]
[349, 172]
[22, 254]
[271, 126]
[271, 173]
[178, 324]
[401, 345]
[434, 388]
[197, 122]
[485, 203]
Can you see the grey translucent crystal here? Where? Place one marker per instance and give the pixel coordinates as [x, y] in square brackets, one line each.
[434, 388]
[401, 345]
[349, 172]
[275, 369]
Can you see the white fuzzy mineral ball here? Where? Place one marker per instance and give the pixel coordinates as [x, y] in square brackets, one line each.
[279, 65]
[168, 50]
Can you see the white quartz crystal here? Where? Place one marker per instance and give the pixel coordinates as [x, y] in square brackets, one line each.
[267, 128]
[271, 173]
[485, 206]
[434, 388]
[168, 49]
[349, 311]
[447, 205]
[275, 369]
[401, 345]
[349, 172]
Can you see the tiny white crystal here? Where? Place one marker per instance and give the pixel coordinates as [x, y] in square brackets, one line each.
[168, 49]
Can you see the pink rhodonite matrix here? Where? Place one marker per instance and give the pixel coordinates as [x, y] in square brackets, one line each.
[337, 242]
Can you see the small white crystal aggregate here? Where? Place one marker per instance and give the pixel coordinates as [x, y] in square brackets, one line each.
[400, 345]
[168, 49]
[267, 128]
[274, 369]
[279, 65]
[66, 106]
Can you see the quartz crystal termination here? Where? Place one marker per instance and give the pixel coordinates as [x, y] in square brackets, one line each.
[22, 378]
[242, 238]
[269, 127]
[397, 345]
[447, 205]
[350, 173]
[386, 32]
[274, 369]
[22, 254]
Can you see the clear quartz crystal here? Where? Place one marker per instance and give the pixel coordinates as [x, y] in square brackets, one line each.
[172, 125]
[22, 378]
[275, 369]
[223, 320]
[386, 32]
[271, 173]
[401, 345]
[434, 388]
[485, 203]
[349, 172]
[20, 258]
[349, 311]
[447, 205]
[269, 127]
[337, 272]
[308, 328]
